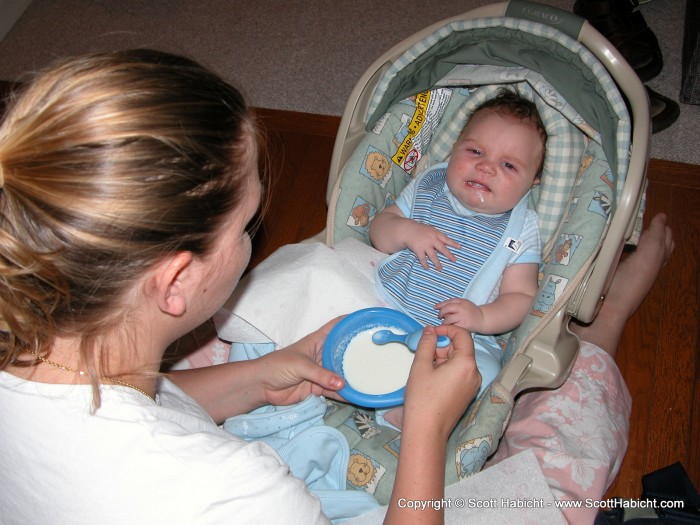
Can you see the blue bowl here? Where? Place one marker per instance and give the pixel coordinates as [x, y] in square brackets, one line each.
[346, 329]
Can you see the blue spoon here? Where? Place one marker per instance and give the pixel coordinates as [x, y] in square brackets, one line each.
[382, 337]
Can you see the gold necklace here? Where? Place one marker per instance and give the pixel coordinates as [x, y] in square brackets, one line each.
[83, 373]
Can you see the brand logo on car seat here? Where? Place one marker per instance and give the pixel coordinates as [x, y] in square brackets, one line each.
[536, 13]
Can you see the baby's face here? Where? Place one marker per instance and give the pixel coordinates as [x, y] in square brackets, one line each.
[494, 162]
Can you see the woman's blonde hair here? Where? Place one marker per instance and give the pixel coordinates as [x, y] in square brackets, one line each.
[109, 162]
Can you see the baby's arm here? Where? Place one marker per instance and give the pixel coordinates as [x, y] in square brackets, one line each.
[506, 312]
[391, 232]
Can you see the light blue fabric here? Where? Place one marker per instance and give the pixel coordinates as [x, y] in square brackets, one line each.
[315, 452]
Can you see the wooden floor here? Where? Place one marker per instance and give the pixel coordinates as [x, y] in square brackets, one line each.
[659, 355]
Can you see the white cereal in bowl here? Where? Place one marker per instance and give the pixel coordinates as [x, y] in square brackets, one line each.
[376, 369]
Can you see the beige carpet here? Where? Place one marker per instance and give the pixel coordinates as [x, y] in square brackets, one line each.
[295, 55]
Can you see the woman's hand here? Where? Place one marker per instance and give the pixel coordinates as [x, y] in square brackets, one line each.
[290, 374]
[443, 381]
[282, 377]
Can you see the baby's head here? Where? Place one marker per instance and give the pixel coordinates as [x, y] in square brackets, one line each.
[499, 154]
[510, 104]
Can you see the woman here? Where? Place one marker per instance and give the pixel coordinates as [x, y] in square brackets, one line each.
[128, 181]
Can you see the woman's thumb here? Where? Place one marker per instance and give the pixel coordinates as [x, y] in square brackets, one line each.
[426, 345]
[323, 377]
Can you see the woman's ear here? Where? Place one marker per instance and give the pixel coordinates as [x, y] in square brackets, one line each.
[171, 283]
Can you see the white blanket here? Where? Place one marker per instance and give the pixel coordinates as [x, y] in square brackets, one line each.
[299, 288]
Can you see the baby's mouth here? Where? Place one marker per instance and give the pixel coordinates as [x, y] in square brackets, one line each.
[477, 185]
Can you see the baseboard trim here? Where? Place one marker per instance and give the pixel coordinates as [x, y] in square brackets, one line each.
[298, 122]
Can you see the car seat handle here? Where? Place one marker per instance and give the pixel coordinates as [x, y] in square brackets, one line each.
[564, 21]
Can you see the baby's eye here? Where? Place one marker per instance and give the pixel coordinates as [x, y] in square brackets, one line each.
[474, 151]
[509, 166]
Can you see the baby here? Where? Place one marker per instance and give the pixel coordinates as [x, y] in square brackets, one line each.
[465, 249]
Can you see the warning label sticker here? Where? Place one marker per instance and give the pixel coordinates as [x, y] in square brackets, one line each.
[413, 138]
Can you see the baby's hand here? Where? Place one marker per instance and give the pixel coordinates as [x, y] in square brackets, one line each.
[462, 313]
[426, 242]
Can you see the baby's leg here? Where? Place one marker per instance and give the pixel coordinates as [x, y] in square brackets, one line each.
[631, 283]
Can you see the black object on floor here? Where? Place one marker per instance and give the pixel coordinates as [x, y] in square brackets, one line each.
[668, 498]
[671, 484]
[625, 27]
[663, 110]
[690, 85]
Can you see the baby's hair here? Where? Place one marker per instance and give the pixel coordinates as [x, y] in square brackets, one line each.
[511, 104]
[108, 163]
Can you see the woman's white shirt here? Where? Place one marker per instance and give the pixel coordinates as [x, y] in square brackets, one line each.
[134, 461]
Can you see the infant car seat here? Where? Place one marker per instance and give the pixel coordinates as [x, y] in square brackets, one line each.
[408, 108]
